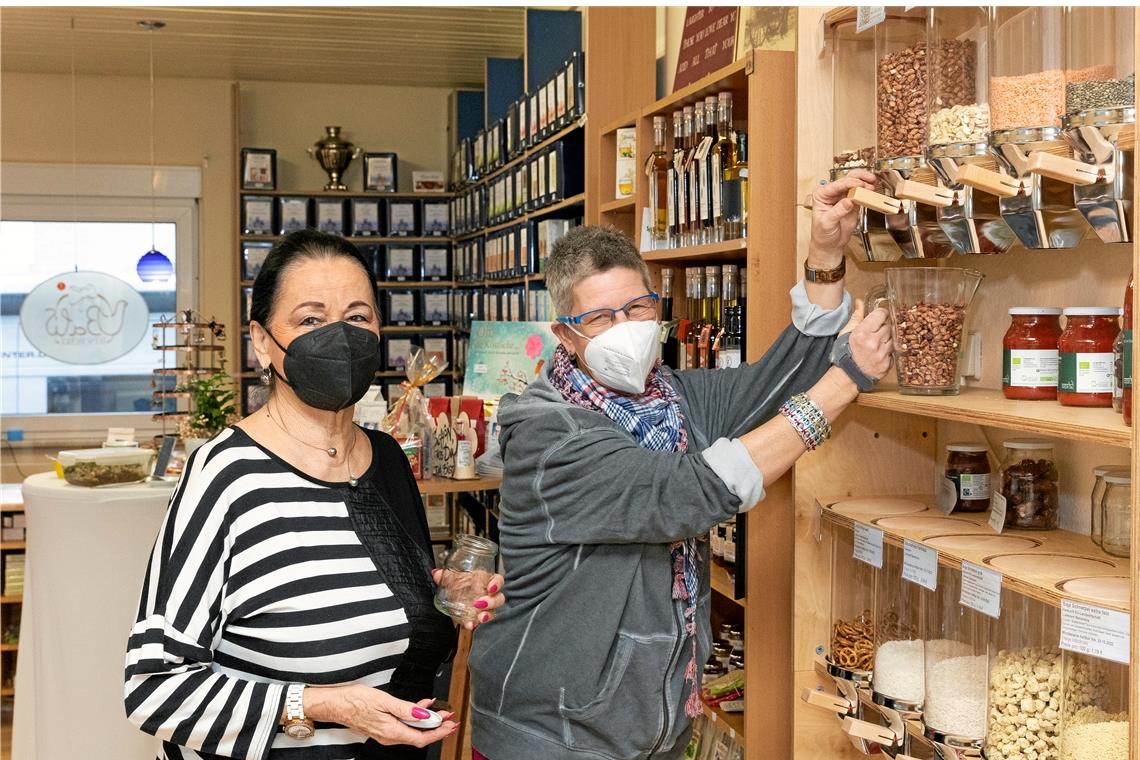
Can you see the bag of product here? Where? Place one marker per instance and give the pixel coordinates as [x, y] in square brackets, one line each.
[409, 420]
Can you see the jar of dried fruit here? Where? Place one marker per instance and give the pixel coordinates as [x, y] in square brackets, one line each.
[1030, 489]
[958, 86]
[900, 83]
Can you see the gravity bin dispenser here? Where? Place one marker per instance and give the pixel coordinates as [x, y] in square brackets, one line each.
[958, 126]
[847, 657]
[1027, 92]
[1100, 119]
[900, 95]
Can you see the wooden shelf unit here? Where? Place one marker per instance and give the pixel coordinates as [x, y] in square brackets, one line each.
[729, 250]
[893, 445]
[1034, 585]
[722, 583]
[619, 206]
[989, 408]
[439, 486]
[397, 284]
[763, 87]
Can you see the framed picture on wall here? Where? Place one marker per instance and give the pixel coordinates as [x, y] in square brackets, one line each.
[380, 172]
[258, 169]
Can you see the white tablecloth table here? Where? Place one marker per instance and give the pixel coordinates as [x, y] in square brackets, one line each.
[86, 557]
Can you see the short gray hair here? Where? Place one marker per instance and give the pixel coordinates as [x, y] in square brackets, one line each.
[586, 251]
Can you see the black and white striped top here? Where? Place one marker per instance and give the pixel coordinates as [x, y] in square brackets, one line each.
[262, 576]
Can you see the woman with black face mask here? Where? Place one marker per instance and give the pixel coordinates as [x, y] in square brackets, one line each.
[287, 607]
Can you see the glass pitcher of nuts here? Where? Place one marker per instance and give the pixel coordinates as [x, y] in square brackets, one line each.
[928, 308]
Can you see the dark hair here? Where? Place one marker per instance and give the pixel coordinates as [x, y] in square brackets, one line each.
[298, 246]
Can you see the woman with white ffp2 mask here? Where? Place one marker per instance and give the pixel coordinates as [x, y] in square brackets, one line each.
[620, 353]
[613, 466]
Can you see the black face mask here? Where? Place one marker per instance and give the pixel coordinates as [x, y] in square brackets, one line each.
[331, 367]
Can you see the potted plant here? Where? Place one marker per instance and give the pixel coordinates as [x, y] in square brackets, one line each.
[212, 408]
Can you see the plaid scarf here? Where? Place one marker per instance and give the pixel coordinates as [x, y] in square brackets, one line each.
[655, 421]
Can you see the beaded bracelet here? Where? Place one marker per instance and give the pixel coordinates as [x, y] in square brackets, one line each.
[807, 419]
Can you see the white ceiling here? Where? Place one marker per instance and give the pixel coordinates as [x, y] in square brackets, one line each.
[425, 46]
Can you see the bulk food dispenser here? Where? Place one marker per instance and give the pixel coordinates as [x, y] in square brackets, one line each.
[956, 672]
[958, 127]
[849, 653]
[897, 673]
[853, 134]
[1027, 92]
[1099, 120]
[1094, 708]
[1024, 684]
[901, 58]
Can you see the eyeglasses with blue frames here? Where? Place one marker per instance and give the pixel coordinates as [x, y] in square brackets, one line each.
[597, 321]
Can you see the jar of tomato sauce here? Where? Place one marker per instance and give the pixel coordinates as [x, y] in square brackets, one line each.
[1029, 353]
[1087, 359]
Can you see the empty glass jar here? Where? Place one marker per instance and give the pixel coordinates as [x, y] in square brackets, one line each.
[1096, 526]
[1116, 513]
[466, 572]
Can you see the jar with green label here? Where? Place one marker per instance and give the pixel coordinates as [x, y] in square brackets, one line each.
[967, 484]
[1086, 354]
[1029, 353]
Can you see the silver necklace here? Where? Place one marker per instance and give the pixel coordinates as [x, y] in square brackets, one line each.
[331, 450]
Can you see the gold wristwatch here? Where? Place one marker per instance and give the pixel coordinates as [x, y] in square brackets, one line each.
[826, 276]
[297, 726]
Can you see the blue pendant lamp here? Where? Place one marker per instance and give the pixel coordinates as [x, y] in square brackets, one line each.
[154, 266]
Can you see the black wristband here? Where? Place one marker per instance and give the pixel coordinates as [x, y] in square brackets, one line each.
[841, 357]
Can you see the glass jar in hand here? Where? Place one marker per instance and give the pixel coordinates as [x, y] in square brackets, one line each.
[1030, 485]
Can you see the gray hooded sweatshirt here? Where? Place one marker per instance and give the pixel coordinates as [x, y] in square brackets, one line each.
[587, 658]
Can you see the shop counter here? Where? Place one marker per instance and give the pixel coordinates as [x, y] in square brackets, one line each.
[87, 550]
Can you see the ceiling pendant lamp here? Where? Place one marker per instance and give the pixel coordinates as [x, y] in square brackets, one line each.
[154, 266]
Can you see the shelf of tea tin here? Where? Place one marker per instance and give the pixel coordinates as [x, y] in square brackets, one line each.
[397, 284]
[722, 251]
[1041, 586]
[348, 194]
[440, 486]
[722, 582]
[538, 213]
[989, 408]
[382, 239]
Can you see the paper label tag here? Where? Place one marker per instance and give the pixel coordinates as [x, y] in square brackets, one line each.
[981, 589]
[997, 512]
[1094, 630]
[869, 16]
[703, 148]
[868, 545]
[920, 564]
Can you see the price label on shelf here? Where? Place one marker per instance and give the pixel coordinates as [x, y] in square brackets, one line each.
[920, 564]
[868, 16]
[981, 589]
[997, 511]
[869, 545]
[1087, 629]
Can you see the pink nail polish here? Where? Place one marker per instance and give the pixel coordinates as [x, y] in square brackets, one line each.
[493, 588]
[480, 604]
[420, 713]
[485, 617]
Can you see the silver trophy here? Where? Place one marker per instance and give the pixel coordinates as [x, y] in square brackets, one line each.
[334, 155]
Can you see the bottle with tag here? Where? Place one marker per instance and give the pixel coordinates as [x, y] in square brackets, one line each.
[734, 196]
[678, 221]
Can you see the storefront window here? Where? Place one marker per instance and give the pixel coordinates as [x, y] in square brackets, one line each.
[32, 383]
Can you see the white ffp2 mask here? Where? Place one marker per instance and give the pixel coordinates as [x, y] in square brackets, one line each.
[622, 356]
